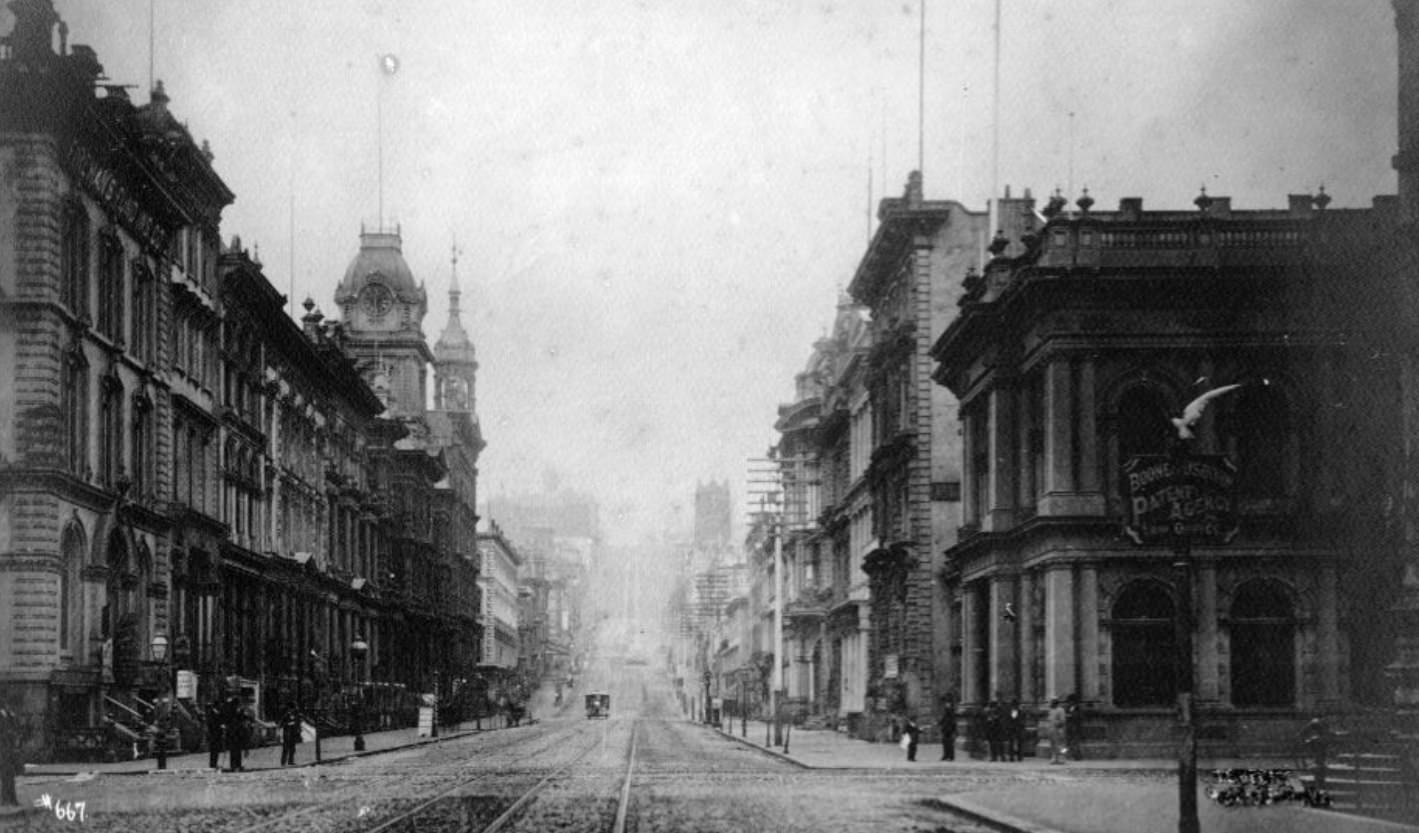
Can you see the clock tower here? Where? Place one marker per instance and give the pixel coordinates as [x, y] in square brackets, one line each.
[383, 310]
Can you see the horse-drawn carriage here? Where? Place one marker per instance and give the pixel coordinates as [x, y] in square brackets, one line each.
[598, 704]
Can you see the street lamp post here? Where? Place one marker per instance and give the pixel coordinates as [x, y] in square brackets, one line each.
[160, 722]
[358, 648]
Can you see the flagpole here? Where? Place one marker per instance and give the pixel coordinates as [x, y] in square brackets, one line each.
[379, 143]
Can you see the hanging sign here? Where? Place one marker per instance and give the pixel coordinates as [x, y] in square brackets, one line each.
[1184, 496]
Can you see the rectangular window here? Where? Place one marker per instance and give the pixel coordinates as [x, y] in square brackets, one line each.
[144, 339]
[74, 259]
[74, 402]
[110, 432]
[111, 289]
[142, 448]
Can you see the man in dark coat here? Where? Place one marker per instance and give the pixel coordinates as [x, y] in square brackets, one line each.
[1074, 727]
[912, 733]
[948, 730]
[290, 735]
[1014, 731]
[994, 729]
[216, 735]
[234, 718]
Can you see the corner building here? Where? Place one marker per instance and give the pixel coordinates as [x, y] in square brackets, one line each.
[1069, 358]
[108, 360]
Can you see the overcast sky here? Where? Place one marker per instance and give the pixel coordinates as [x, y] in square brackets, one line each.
[658, 201]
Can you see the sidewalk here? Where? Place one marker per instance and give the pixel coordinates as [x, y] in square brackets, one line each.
[1064, 798]
[269, 757]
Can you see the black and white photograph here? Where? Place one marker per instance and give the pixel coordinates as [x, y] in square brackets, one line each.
[707, 416]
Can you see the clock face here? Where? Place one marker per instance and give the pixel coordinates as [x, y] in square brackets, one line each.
[377, 300]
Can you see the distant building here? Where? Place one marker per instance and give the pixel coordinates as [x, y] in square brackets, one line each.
[714, 515]
[499, 565]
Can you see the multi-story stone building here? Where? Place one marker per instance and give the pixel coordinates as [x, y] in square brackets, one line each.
[108, 449]
[913, 472]
[181, 464]
[825, 446]
[1069, 356]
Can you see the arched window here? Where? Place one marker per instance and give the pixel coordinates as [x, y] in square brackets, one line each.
[1144, 646]
[1142, 427]
[1263, 646]
[1261, 426]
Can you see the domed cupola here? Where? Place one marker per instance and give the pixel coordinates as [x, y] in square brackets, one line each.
[378, 281]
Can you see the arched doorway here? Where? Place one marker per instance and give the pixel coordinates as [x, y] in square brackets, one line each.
[119, 621]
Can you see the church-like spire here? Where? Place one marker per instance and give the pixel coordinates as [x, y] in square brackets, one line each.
[455, 361]
[454, 344]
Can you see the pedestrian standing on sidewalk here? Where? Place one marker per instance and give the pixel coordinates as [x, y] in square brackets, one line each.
[216, 735]
[1056, 720]
[948, 729]
[994, 729]
[1014, 731]
[1074, 728]
[912, 733]
[290, 735]
[234, 717]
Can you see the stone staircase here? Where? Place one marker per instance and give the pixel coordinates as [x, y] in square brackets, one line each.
[1374, 777]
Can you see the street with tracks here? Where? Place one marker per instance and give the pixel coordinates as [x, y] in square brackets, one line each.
[645, 768]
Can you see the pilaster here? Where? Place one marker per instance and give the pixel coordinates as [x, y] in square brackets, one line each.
[1060, 678]
[1000, 511]
[1208, 678]
[1004, 631]
[1089, 688]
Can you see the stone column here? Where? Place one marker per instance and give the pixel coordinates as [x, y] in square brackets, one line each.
[1091, 480]
[1059, 435]
[1000, 508]
[972, 646]
[1026, 641]
[1088, 683]
[1003, 635]
[970, 512]
[1208, 674]
[1059, 632]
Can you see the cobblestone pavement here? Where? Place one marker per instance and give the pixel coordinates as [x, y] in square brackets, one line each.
[685, 778]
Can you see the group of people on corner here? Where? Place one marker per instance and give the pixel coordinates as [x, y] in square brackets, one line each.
[1002, 726]
[229, 727]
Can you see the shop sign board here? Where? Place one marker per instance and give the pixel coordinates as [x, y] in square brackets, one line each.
[1177, 497]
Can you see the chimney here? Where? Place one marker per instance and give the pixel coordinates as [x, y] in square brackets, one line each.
[33, 35]
[1131, 208]
[1300, 204]
[1406, 161]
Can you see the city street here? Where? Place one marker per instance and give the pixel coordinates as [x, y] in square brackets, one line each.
[683, 777]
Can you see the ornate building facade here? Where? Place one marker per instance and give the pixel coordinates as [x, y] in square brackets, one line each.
[182, 466]
[913, 470]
